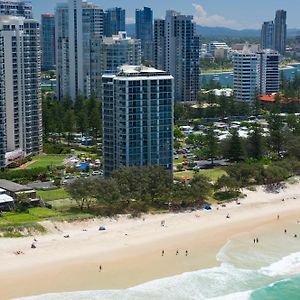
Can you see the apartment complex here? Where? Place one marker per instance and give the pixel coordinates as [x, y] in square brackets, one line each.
[137, 118]
[255, 72]
[114, 21]
[176, 50]
[119, 50]
[17, 8]
[268, 72]
[21, 119]
[144, 31]
[110, 53]
[48, 41]
[77, 25]
[245, 76]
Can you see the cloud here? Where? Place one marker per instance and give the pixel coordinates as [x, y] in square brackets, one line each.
[201, 17]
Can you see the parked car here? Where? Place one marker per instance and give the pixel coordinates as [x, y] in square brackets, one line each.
[97, 173]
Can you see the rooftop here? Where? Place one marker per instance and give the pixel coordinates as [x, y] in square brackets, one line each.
[138, 70]
[13, 187]
[5, 198]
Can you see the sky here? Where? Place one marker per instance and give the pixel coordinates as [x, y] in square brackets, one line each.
[237, 14]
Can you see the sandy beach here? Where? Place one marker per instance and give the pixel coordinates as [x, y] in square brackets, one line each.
[130, 250]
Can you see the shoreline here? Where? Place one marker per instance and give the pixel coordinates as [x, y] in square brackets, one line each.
[134, 246]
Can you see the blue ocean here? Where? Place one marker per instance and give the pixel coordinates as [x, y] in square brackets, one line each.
[269, 270]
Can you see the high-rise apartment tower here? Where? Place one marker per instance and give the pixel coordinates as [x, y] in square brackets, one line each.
[137, 118]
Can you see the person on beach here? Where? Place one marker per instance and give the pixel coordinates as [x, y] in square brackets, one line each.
[100, 268]
[228, 216]
[295, 235]
[256, 240]
[186, 253]
[162, 252]
[177, 252]
[277, 217]
[285, 231]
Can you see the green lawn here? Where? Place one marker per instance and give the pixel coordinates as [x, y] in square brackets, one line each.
[179, 160]
[46, 160]
[33, 215]
[53, 194]
[212, 174]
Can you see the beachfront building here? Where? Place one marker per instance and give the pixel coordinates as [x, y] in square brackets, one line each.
[245, 76]
[48, 42]
[77, 26]
[20, 94]
[176, 50]
[17, 8]
[268, 72]
[144, 31]
[280, 31]
[137, 118]
[267, 35]
[114, 21]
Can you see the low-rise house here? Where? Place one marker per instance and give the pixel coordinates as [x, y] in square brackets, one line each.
[17, 191]
[7, 202]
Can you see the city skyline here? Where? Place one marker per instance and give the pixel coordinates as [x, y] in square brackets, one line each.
[232, 13]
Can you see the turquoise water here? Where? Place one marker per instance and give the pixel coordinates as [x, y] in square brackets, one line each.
[285, 289]
[226, 79]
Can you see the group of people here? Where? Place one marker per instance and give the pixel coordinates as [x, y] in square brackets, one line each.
[177, 252]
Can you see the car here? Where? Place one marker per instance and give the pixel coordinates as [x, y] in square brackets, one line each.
[102, 228]
[97, 173]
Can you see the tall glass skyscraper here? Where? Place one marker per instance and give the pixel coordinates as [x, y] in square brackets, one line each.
[144, 31]
[48, 41]
[137, 118]
[20, 92]
[77, 25]
[267, 35]
[280, 31]
[176, 50]
[114, 21]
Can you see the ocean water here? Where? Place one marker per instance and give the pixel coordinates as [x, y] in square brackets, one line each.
[269, 270]
[226, 79]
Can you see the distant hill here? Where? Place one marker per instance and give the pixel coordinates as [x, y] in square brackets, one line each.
[221, 31]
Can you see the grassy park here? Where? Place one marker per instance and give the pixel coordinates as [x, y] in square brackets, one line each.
[46, 160]
[212, 174]
[51, 195]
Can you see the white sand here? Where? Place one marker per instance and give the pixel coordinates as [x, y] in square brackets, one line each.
[129, 251]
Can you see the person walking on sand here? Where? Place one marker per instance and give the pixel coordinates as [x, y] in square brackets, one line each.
[285, 231]
[278, 217]
[177, 252]
[100, 268]
[186, 253]
[256, 240]
[162, 252]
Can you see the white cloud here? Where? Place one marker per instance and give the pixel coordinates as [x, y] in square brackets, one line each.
[201, 17]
